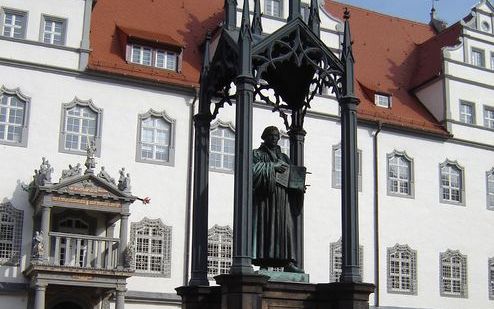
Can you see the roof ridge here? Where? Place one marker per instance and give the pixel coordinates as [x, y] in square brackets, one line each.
[426, 25]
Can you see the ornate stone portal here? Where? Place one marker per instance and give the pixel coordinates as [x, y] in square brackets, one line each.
[295, 65]
[74, 252]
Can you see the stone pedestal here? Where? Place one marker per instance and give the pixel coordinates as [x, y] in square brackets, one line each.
[256, 292]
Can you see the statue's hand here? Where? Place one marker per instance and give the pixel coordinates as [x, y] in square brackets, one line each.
[280, 167]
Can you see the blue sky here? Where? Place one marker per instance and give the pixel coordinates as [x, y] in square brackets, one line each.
[449, 10]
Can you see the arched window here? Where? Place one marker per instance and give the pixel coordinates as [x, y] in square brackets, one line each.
[220, 244]
[336, 261]
[151, 241]
[222, 147]
[10, 234]
[453, 274]
[452, 183]
[402, 270]
[81, 123]
[400, 174]
[156, 138]
[14, 111]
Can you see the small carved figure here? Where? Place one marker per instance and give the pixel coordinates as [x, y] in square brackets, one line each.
[104, 175]
[43, 175]
[38, 245]
[72, 171]
[90, 162]
[124, 181]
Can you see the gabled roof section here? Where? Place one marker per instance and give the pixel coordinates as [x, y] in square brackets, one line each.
[84, 186]
[183, 23]
[385, 50]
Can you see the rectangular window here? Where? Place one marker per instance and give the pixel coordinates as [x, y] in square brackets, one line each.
[14, 24]
[273, 8]
[222, 149]
[166, 60]
[337, 168]
[492, 61]
[382, 100]
[489, 117]
[54, 30]
[477, 57]
[490, 190]
[491, 278]
[157, 58]
[467, 112]
[399, 174]
[451, 183]
[12, 118]
[453, 274]
[402, 270]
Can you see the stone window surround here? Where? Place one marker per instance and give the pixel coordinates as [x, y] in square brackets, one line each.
[333, 271]
[18, 216]
[166, 251]
[97, 138]
[488, 174]
[462, 183]
[215, 125]
[281, 8]
[413, 270]
[482, 57]
[27, 100]
[46, 17]
[171, 145]
[334, 183]
[411, 174]
[227, 232]
[474, 114]
[5, 10]
[449, 254]
[487, 108]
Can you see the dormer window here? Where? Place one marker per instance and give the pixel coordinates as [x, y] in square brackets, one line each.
[382, 100]
[150, 49]
[158, 58]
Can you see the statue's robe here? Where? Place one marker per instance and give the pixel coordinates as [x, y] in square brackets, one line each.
[274, 238]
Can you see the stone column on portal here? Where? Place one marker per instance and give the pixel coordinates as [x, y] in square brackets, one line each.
[122, 245]
[39, 296]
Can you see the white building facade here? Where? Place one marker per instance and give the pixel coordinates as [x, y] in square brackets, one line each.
[426, 185]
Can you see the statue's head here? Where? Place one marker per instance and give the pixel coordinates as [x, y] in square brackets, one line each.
[271, 136]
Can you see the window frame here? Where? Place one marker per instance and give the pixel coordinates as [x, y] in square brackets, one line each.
[411, 178]
[17, 216]
[225, 234]
[488, 120]
[450, 254]
[154, 56]
[377, 100]
[334, 272]
[489, 194]
[334, 172]
[171, 142]
[472, 106]
[4, 12]
[492, 60]
[412, 271]
[453, 164]
[63, 120]
[280, 10]
[481, 52]
[27, 109]
[166, 249]
[227, 126]
[44, 19]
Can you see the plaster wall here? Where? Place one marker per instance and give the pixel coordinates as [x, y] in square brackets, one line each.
[432, 96]
[121, 106]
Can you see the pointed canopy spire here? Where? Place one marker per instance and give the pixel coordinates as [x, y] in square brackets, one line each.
[314, 19]
[245, 43]
[256, 21]
[347, 57]
[230, 14]
[205, 58]
[293, 9]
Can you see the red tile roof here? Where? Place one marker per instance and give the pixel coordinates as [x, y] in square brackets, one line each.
[385, 51]
[181, 23]
[392, 54]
